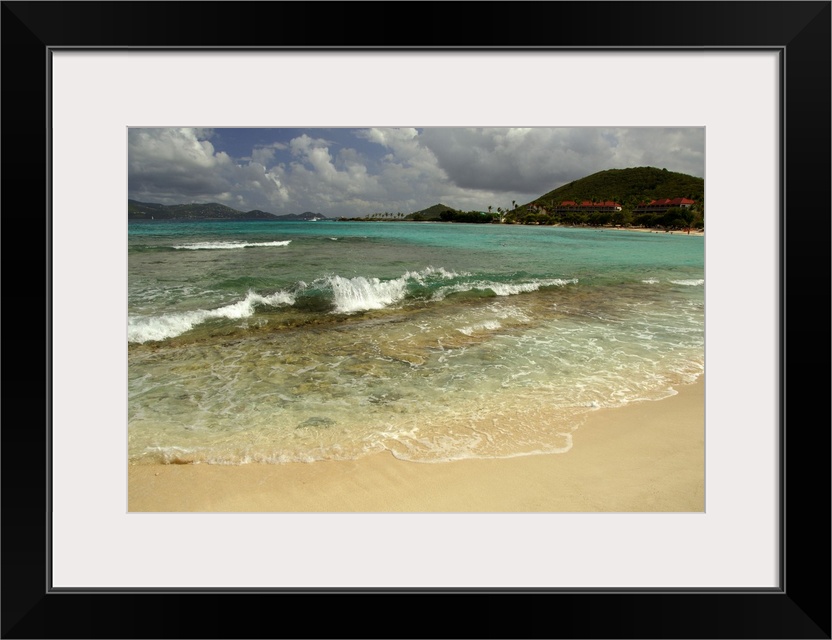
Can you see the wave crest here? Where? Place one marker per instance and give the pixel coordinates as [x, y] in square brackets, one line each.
[145, 329]
[334, 294]
[195, 246]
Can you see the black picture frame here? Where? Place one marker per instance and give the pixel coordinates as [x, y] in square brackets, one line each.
[799, 608]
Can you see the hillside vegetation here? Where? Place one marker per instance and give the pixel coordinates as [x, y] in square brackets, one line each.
[628, 188]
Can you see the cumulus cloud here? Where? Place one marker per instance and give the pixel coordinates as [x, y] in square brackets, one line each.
[264, 154]
[174, 162]
[401, 175]
[181, 165]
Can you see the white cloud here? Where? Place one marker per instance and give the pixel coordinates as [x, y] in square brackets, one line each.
[178, 165]
[264, 154]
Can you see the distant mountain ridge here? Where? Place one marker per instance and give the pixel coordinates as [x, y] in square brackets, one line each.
[207, 211]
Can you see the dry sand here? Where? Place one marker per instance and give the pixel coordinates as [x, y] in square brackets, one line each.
[648, 456]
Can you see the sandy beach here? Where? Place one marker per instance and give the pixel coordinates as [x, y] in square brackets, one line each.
[644, 457]
[693, 232]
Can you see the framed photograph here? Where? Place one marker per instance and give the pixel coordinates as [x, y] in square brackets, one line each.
[109, 101]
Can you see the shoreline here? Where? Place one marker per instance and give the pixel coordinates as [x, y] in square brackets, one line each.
[644, 457]
[675, 232]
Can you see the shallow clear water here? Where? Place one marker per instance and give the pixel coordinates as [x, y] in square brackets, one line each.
[291, 341]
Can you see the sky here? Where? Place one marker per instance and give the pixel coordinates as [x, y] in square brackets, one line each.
[356, 172]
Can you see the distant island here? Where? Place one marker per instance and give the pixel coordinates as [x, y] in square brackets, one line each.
[209, 211]
[645, 197]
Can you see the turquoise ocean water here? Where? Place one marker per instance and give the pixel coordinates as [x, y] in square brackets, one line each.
[303, 341]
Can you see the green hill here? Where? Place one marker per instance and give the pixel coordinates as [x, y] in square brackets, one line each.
[431, 213]
[628, 187]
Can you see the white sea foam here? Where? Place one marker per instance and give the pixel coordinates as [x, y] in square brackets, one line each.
[230, 245]
[488, 325]
[351, 295]
[168, 455]
[145, 329]
[428, 272]
[650, 281]
[503, 288]
[689, 283]
[360, 294]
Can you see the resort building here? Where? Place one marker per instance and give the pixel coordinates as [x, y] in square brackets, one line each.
[660, 206]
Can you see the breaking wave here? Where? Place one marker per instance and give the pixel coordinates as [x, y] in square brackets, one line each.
[144, 329]
[335, 294]
[230, 245]
[504, 288]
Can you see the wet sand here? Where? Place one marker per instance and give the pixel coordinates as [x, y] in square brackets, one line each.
[644, 457]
